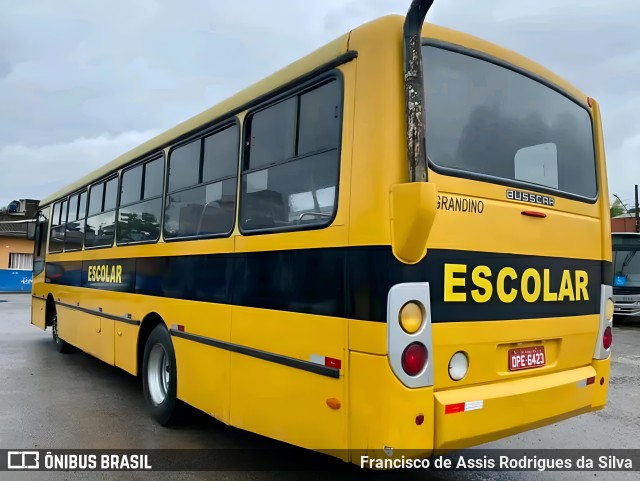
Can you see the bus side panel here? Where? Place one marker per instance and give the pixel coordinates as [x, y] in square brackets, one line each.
[38, 312]
[94, 335]
[125, 347]
[285, 402]
[379, 132]
[202, 370]
[384, 411]
[103, 341]
[69, 322]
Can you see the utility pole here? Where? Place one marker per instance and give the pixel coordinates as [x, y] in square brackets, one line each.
[637, 213]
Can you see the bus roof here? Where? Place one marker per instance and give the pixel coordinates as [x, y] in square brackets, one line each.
[385, 26]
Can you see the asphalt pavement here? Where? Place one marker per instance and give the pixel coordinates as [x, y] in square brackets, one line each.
[54, 401]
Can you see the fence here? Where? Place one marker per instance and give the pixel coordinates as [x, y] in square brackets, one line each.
[15, 280]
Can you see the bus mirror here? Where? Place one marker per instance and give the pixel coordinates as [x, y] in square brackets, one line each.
[31, 230]
[412, 210]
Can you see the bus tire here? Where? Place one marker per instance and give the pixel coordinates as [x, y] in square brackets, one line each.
[61, 345]
[159, 376]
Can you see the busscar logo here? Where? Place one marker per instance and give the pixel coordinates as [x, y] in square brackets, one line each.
[531, 198]
[23, 460]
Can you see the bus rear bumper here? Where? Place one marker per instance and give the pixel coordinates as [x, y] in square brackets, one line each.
[479, 414]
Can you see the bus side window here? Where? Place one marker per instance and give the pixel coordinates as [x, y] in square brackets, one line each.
[141, 203]
[100, 224]
[290, 177]
[74, 231]
[201, 199]
[58, 222]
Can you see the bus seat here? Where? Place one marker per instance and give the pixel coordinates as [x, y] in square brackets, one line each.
[264, 209]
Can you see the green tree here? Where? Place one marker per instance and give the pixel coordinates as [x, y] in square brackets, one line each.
[617, 208]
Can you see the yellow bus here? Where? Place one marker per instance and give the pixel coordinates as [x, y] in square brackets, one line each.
[306, 261]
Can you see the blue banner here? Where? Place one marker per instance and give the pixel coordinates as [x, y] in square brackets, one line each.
[15, 280]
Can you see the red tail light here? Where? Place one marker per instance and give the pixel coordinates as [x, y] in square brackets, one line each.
[414, 358]
[607, 338]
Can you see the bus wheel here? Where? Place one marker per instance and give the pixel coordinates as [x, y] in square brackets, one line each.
[61, 345]
[159, 376]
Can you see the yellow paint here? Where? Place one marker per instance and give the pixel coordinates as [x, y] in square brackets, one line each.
[413, 210]
[566, 287]
[549, 296]
[453, 279]
[531, 295]
[503, 295]
[383, 411]
[105, 273]
[581, 282]
[530, 282]
[479, 277]
[125, 344]
[511, 406]
[281, 402]
[38, 312]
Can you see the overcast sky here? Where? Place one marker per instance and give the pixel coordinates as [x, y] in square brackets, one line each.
[82, 81]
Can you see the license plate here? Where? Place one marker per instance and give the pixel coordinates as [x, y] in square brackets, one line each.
[526, 358]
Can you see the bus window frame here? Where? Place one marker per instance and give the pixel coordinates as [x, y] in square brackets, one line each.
[79, 193]
[296, 89]
[102, 180]
[200, 136]
[139, 162]
[453, 172]
[59, 202]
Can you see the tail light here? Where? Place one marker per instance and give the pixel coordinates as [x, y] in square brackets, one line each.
[414, 358]
[605, 332]
[409, 334]
[607, 338]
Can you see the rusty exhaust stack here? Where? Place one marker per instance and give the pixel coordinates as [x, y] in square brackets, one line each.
[414, 90]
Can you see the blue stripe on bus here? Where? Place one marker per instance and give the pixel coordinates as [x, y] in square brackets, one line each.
[347, 282]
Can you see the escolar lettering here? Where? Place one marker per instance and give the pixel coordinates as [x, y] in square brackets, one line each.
[105, 273]
[532, 285]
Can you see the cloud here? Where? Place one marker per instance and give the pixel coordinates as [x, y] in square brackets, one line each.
[627, 156]
[32, 172]
[95, 70]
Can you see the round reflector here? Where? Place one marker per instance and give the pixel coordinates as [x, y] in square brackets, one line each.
[458, 366]
[607, 338]
[414, 358]
[608, 309]
[411, 316]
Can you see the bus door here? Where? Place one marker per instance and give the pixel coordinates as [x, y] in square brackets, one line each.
[38, 232]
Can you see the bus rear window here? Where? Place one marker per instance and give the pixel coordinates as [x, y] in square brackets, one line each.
[492, 122]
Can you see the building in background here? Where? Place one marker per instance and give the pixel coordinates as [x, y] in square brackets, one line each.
[16, 251]
[624, 223]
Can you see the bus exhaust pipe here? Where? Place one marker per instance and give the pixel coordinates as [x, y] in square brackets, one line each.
[414, 90]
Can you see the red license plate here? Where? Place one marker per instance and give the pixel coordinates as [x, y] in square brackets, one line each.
[526, 358]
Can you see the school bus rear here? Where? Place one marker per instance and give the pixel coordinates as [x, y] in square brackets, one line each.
[504, 324]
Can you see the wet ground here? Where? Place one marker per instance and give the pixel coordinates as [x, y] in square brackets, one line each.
[53, 401]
